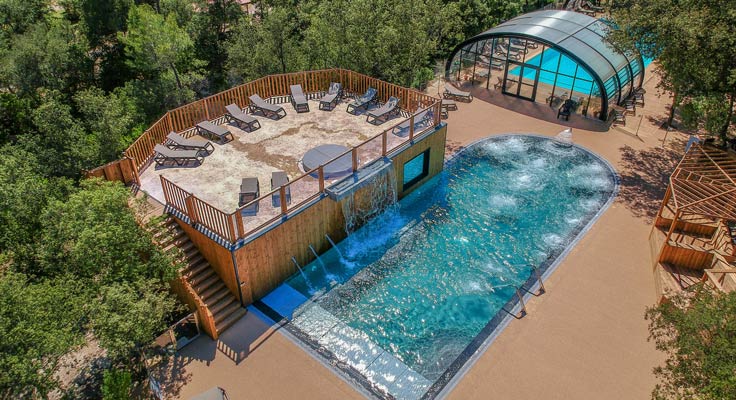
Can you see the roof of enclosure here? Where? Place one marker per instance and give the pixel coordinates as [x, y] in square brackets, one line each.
[579, 34]
[705, 183]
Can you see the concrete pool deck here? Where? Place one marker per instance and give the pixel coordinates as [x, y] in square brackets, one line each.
[586, 338]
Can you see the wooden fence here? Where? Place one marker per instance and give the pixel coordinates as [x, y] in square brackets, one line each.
[276, 87]
[229, 225]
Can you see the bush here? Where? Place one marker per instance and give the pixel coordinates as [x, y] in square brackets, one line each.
[116, 385]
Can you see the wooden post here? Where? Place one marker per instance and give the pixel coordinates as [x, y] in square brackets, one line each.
[206, 109]
[282, 200]
[231, 230]
[321, 177]
[355, 158]
[411, 128]
[384, 145]
[239, 223]
[191, 212]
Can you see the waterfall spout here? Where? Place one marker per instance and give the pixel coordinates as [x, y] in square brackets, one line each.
[301, 271]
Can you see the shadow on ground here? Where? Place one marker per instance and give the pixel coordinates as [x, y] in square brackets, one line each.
[644, 177]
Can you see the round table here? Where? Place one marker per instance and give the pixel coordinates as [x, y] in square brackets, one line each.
[324, 153]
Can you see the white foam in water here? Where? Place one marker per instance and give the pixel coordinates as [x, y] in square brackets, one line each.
[538, 163]
[502, 201]
[572, 221]
[374, 235]
[589, 204]
[552, 239]
[510, 145]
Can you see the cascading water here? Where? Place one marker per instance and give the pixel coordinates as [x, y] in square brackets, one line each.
[337, 249]
[377, 196]
[301, 271]
[321, 263]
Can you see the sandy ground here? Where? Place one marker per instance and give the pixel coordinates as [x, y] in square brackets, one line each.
[586, 338]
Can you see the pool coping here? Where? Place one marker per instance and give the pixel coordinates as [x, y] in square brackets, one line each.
[449, 379]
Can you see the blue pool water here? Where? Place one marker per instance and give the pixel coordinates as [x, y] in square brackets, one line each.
[548, 59]
[408, 295]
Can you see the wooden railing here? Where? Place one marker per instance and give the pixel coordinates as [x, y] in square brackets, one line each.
[231, 226]
[184, 118]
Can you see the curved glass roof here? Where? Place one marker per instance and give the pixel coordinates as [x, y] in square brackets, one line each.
[579, 34]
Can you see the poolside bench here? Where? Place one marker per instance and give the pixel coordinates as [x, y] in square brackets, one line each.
[363, 101]
[298, 99]
[250, 190]
[268, 110]
[242, 120]
[278, 179]
[178, 142]
[330, 99]
[421, 119]
[451, 92]
[207, 128]
[179, 157]
[382, 114]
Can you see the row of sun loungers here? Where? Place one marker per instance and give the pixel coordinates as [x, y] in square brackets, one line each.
[250, 190]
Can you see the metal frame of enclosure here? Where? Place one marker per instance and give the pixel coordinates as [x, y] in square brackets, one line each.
[550, 56]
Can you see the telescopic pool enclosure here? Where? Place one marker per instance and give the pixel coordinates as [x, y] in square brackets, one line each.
[549, 56]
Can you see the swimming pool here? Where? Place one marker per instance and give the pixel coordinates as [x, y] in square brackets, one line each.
[402, 303]
[548, 60]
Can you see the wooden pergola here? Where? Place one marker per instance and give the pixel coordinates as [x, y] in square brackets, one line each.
[703, 185]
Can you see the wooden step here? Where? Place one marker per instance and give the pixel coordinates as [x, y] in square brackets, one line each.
[202, 287]
[213, 297]
[223, 304]
[196, 268]
[201, 277]
[226, 311]
[230, 320]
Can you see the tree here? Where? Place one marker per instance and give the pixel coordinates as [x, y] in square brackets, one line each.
[691, 40]
[39, 323]
[128, 316]
[699, 340]
[210, 29]
[16, 16]
[94, 235]
[116, 385]
[102, 20]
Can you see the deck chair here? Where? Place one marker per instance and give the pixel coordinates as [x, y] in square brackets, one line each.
[177, 142]
[257, 104]
[497, 64]
[179, 157]
[451, 92]
[250, 190]
[329, 101]
[363, 101]
[207, 128]
[382, 114]
[566, 109]
[298, 99]
[421, 119]
[619, 118]
[244, 121]
[278, 179]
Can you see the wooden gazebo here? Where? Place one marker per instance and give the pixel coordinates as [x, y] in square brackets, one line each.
[693, 229]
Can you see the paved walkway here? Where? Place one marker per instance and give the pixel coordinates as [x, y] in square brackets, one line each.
[586, 338]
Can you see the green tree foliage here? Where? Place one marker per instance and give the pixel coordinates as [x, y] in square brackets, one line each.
[94, 235]
[39, 323]
[129, 315]
[699, 338]
[162, 53]
[116, 385]
[693, 61]
[16, 16]
[103, 19]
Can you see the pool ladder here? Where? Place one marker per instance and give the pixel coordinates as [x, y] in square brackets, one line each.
[519, 289]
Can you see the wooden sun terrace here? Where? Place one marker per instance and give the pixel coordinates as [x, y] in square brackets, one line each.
[693, 238]
[229, 227]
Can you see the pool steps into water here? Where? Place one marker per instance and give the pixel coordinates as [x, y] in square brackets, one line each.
[348, 345]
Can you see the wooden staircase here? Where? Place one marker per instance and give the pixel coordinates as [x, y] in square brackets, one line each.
[224, 309]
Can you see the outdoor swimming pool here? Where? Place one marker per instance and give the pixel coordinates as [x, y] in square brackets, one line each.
[402, 303]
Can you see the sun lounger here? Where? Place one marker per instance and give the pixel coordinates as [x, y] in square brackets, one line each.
[619, 118]
[278, 179]
[382, 114]
[244, 121]
[257, 104]
[497, 64]
[421, 119]
[179, 157]
[451, 92]
[207, 128]
[363, 101]
[178, 142]
[330, 99]
[298, 99]
[566, 109]
[250, 190]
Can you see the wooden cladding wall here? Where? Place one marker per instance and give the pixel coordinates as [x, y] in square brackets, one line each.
[265, 263]
[123, 170]
[220, 258]
[205, 319]
[436, 143]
